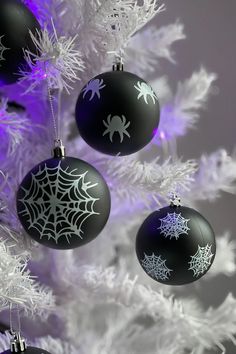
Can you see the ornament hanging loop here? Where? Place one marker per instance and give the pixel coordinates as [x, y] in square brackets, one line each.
[17, 343]
[59, 150]
[118, 63]
[175, 200]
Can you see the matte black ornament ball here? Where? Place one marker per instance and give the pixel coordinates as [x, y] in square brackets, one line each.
[16, 20]
[117, 113]
[29, 350]
[175, 245]
[63, 203]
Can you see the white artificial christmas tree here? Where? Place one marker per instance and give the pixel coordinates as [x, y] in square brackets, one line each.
[96, 299]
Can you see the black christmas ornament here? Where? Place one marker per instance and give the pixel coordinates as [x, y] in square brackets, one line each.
[175, 245]
[63, 202]
[16, 20]
[18, 345]
[117, 112]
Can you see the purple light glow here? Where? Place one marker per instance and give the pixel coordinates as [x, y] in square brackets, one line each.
[171, 125]
[162, 135]
[33, 8]
[155, 132]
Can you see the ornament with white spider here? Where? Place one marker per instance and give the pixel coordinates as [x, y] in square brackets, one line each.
[116, 124]
[94, 86]
[145, 91]
[110, 100]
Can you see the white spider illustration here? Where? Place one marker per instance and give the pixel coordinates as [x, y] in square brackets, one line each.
[2, 49]
[201, 261]
[94, 86]
[116, 124]
[145, 91]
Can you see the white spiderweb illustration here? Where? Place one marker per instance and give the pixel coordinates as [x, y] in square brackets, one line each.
[156, 267]
[58, 202]
[201, 261]
[2, 50]
[173, 225]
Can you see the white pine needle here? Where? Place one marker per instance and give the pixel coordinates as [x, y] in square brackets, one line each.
[224, 265]
[181, 113]
[58, 61]
[18, 287]
[216, 173]
[147, 46]
[13, 126]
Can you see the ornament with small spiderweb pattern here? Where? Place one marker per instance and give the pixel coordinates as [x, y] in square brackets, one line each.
[117, 112]
[175, 245]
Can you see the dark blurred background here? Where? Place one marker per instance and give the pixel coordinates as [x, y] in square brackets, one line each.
[210, 28]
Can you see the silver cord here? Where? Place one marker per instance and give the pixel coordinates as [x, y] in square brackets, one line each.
[10, 318]
[59, 113]
[55, 120]
[18, 329]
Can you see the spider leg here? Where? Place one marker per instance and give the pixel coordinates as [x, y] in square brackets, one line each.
[92, 96]
[121, 133]
[145, 98]
[85, 91]
[111, 136]
[153, 98]
[126, 133]
[123, 119]
[101, 86]
[109, 119]
[106, 131]
[139, 95]
[105, 123]
[127, 125]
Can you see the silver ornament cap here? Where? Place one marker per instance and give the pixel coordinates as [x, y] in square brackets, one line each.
[17, 343]
[118, 64]
[175, 200]
[59, 150]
